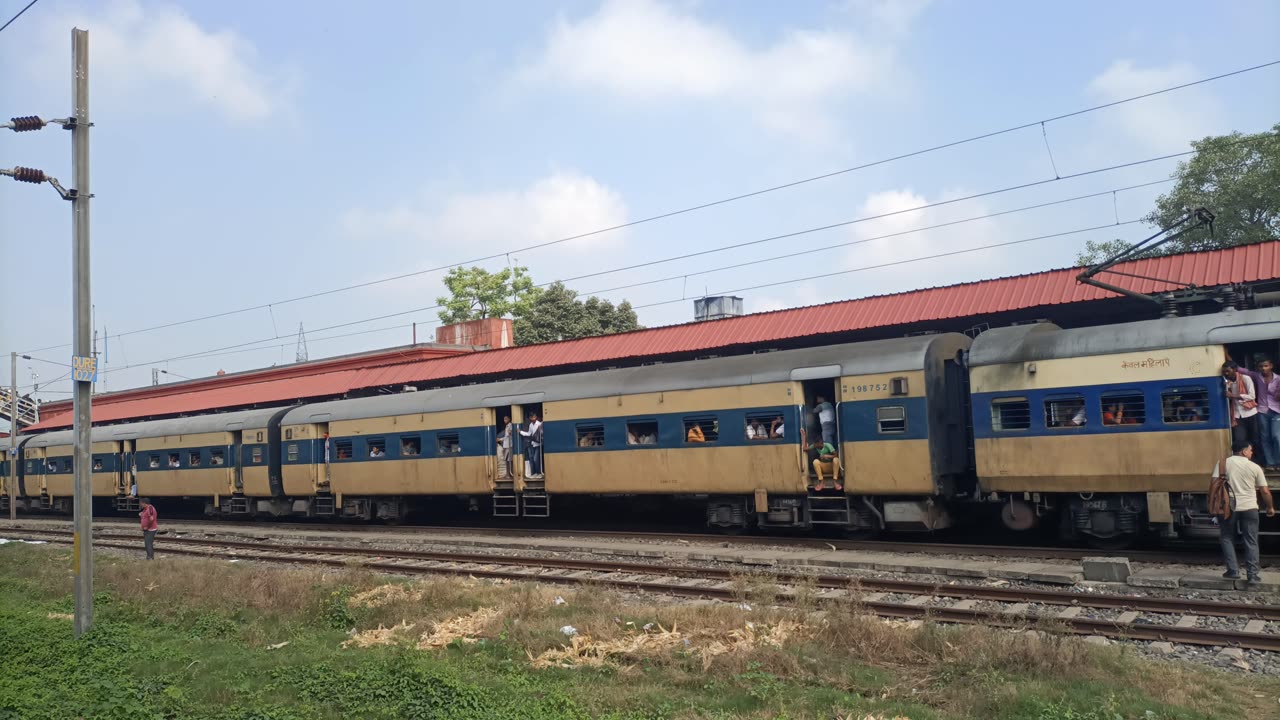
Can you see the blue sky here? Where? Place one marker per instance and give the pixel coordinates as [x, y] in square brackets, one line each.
[246, 153]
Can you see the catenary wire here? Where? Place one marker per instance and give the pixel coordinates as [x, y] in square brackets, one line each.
[15, 17]
[702, 206]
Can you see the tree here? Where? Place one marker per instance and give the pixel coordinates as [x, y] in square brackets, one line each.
[475, 293]
[1236, 177]
[557, 314]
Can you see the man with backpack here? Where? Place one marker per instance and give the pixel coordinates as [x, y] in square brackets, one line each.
[1233, 498]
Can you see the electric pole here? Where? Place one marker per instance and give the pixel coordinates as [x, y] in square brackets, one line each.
[13, 436]
[83, 382]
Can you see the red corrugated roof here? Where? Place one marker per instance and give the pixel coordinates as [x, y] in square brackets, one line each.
[1248, 263]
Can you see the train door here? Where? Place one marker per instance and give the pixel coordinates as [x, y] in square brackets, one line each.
[503, 426]
[237, 460]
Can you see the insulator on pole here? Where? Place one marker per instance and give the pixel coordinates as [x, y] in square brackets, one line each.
[31, 175]
[27, 123]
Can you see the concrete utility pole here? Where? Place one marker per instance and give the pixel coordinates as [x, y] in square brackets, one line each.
[13, 436]
[83, 547]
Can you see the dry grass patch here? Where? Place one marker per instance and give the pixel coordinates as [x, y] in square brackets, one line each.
[465, 628]
[378, 636]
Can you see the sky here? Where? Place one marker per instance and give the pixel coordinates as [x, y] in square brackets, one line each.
[245, 154]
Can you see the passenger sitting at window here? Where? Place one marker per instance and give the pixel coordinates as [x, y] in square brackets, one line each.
[778, 428]
[376, 452]
[97, 465]
[756, 431]
[1114, 415]
[155, 463]
[408, 448]
[631, 437]
[173, 461]
[825, 459]
[51, 465]
[695, 434]
[1077, 419]
[1189, 412]
[649, 439]
[344, 453]
[216, 460]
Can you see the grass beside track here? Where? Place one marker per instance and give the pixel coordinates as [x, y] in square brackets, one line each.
[193, 639]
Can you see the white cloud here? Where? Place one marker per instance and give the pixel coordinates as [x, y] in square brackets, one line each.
[643, 51]
[155, 56]
[1164, 123]
[560, 205]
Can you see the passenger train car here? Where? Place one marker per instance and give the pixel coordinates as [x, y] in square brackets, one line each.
[1107, 432]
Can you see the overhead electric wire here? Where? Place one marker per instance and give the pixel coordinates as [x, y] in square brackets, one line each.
[15, 17]
[702, 206]
[918, 208]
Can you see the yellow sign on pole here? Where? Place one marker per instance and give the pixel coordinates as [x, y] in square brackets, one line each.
[84, 369]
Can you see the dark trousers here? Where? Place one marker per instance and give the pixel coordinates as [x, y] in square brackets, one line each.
[535, 459]
[1244, 522]
[149, 542]
[1248, 429]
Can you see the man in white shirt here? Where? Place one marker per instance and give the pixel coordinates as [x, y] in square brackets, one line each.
[827, 419]
[1244, 404]
[504, 448]
[534, 447]
[1245, 482]
[756, 431]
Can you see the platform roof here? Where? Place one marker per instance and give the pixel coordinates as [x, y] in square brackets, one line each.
[839, 321]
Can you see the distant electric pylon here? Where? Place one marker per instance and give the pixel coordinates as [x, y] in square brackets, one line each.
[301, 355]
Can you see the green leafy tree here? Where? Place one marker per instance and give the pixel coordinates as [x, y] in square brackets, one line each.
[1236, 177]
[475, 294]
[557, 314]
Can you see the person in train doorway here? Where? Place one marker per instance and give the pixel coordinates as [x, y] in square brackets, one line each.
[1242, 483]
[1244, 404]
[826, 419]
[824, 459]
[534, 446]
[149, 527]
[1266, 385]
[504, 448]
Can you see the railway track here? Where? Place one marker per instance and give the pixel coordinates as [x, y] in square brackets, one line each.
[1182, 555]
[1173, 620]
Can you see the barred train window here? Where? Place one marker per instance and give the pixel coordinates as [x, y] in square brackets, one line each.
[193, 458]
[292, 452]
[701, 429]
[1123, 407]
[377, 447]
[1065, 411]
[589, 435]
[449, 443]
[410, 445]
[257, 456]
[342, 449]
[891, 419]
[761, 426]
[642, 432]
[1010, 414]
[216, 457]
[153, 461]
[1185, 405]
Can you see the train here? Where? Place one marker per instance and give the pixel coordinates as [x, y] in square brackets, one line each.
[1104, 434]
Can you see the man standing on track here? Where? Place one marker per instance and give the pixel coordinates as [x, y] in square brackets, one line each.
[1245, 483]
[149, 527]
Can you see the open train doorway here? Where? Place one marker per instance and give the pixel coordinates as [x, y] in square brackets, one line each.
[531, 442]
[505, 433]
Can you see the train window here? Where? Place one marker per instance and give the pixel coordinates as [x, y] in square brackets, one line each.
[642, 432]
[256, 457]
[764, 426]
[174, 461]
[701, 429]
[1185, 405]
[288, 434]
[97, 464]
[343, 449]
[891, 419]
[1124, 407]
[259, 436]
[377, 447]
[1010, 414]
[216, 457]
[153, 461]
[291, 452]
[898, 386]
[1065, 411]
[448, 443]
[193, 458]
[410, 445]
[589, 435]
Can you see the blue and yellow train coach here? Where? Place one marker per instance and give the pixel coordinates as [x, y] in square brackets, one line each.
[723, 431]
[1113, 430]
